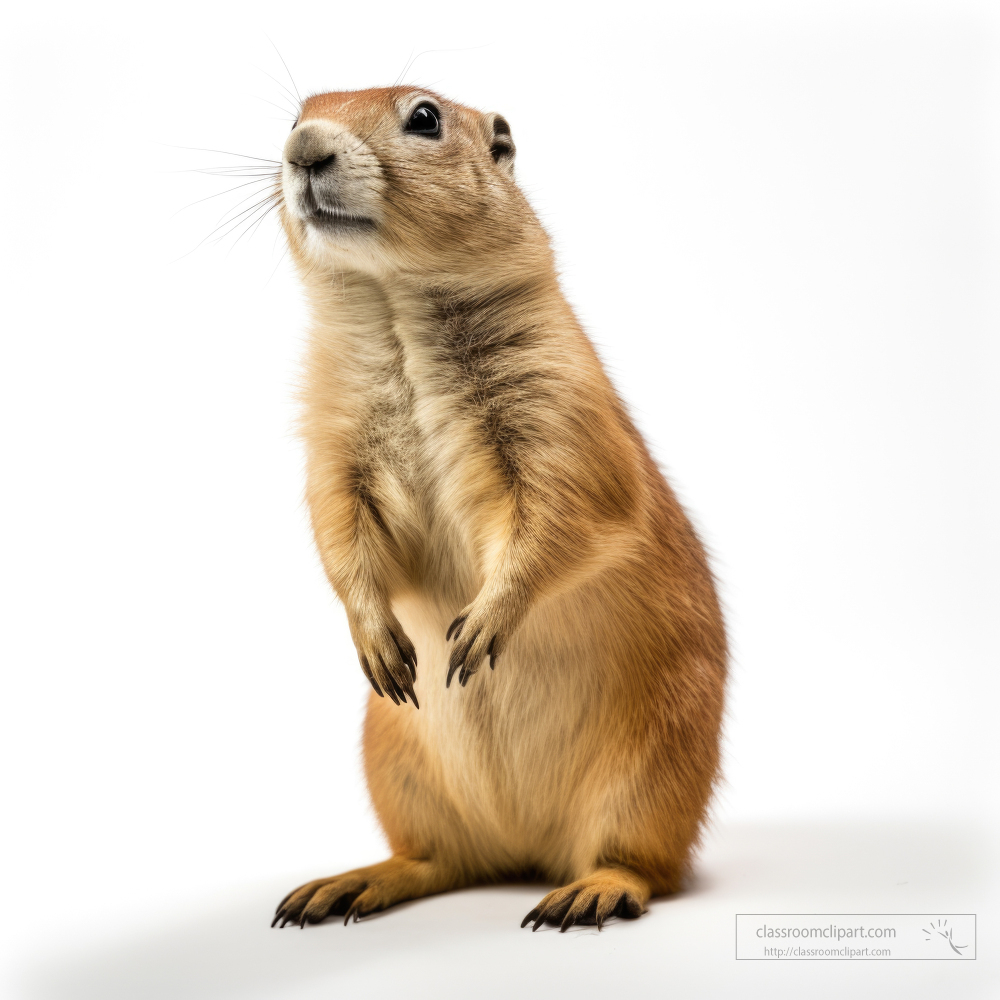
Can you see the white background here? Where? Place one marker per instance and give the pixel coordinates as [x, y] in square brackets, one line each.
[779, 224]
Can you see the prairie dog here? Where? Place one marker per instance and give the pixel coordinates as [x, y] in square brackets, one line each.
[479, 497]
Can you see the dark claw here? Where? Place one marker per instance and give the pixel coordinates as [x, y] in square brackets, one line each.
[458, 657]
[277, 917]
[531, 916]
[567, 921]
[368, 673]
[403, 688]
[600, 922]
[390, 689]
[538, 923]
[407, 688]
[398, 689]
[407, 658]
[569, 906]
[456, 627]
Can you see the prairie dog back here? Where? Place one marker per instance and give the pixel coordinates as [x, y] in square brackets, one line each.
[479, 496]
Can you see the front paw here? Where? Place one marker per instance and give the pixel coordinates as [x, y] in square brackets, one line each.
[479, 631]
[387, 657]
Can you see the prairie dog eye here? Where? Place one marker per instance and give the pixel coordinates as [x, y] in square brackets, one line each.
[424, 121]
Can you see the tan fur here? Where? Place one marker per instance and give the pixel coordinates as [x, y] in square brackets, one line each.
[469, 461]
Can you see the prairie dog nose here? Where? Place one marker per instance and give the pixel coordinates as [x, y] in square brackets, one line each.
[311, 145]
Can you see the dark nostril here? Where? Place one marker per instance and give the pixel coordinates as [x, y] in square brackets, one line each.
[313, 166]
[321, 165]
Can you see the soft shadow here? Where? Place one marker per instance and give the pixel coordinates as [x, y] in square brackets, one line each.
[228, 950]
[232, 952]
[867, 860]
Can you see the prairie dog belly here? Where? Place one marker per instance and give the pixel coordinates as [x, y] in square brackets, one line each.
[502, 754]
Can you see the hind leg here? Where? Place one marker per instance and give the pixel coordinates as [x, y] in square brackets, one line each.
[365, 890]
[612, 891]
[419, 820]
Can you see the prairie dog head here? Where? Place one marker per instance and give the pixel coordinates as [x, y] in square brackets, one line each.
[401, 180]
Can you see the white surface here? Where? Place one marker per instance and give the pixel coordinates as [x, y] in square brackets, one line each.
[780, 225]
[469, 943]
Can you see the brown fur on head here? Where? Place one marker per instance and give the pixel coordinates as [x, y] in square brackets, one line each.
[384, 197]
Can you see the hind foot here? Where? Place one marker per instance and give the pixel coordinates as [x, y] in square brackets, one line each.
[363, 891]
[608, 892]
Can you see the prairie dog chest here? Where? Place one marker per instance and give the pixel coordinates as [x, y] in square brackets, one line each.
[401, 420]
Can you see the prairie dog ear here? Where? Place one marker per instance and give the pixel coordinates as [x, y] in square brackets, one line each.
[502, 147]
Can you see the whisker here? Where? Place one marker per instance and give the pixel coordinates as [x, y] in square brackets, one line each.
[276, 266]
[426, 52]
[235, 224]
[287, 70]
[403, 71]
[218, 194]
[222, 152]
[384, 126]
[280, 107]
[239, 168]
[255, 172]
[249, 227]
[235, 176]
[257, 224]
[228, 216]
[294, 97]
[244, 170]
[230, 223]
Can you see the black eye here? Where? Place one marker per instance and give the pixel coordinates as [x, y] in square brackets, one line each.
[424, 121]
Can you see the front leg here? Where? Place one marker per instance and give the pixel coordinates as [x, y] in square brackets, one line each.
[564, 500]
[363, 563]
[387, 656]
[549, 546]
[483, 629]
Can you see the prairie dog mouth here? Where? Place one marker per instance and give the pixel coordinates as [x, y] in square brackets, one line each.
[334, 220]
